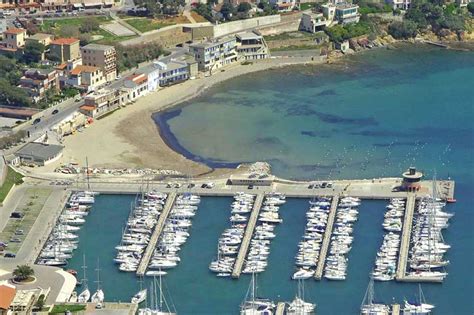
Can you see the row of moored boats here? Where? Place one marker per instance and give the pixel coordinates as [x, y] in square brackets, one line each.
[63, 239]
[341, 239]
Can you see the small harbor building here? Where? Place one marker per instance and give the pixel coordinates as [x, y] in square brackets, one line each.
[412, 179]
[41, 154]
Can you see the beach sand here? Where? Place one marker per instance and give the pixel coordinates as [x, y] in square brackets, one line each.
[129, 138]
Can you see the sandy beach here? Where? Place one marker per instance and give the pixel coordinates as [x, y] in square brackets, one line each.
[130, 138]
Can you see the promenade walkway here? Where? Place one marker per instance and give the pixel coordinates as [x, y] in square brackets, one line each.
[247, 236]
[156, 234]
[327, 239]
[406, 233]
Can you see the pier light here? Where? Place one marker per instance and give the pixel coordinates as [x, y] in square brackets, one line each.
[412, 179]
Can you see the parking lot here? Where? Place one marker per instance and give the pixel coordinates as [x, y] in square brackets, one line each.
[23, 218]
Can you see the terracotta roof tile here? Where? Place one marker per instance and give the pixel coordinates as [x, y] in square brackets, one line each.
[14, 30]
[80, 68]
[64, 41]
[7, 294]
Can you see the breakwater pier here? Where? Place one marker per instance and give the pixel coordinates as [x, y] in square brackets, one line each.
[247, 236]
[156, 234]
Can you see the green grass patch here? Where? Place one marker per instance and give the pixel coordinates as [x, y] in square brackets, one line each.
[293, 35]
[295, 47]
[57, 24]
[308, 5]
[11, 179]
[146, 25]
[62, 308]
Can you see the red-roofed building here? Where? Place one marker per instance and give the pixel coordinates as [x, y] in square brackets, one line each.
[135, 86]
[85, 77]
[37, 81]
[14, 38]
[7, 295]
[65, 49]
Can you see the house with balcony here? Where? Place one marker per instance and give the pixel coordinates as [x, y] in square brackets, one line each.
[103, 101]
[251, 46]
[13, 40]
[313, 22]
[215, 54]
[37, 81]
[87, 78]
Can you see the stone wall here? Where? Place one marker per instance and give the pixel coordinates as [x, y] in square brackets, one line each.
[242, 25]
[169, 37]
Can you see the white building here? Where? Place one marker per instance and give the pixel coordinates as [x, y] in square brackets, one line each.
[135, 86]
[251, 46]
[342, 12]
[213, 55]
[313, 22]
[284, 5]
[153, 75]
[401, 4]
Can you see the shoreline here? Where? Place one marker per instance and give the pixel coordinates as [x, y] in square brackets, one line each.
[121, 145]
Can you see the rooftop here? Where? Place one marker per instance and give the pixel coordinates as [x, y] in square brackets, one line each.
[211, 43]
[14, 30]
[342, 6]
[80, 68]
[248, 36]
[7, 295]
[64, 41]
[17, 111]
[40, 36]
[97, 47]
[40, 151]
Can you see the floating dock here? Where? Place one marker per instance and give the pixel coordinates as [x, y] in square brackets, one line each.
[156, 234]
[327, 239]
[247, 236]
[406, 233]
[395, 309]
[280, 308]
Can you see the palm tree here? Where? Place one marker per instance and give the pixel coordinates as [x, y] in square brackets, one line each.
[23, 272]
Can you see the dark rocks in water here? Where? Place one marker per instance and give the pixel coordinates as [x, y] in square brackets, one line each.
[313, 134]
[327, 93]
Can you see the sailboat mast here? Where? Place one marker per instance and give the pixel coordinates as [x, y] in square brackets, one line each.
[87, 175]
[84, 280]
[161, 294]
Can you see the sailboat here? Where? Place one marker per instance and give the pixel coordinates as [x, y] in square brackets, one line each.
[298, 306]
[98, 296]
[418, 308]
[159, 305]
[86, 294]
[253, 305]
[368, 306]
[140, 296]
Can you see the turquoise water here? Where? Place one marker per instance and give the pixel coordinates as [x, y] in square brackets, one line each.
[373, 116]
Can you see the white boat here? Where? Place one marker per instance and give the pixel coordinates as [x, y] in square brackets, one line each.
[153, 273]
[98, 296]
[368, 306]
[253, 305]
[303, 274]
[139, 297]
[85, 294]
[159, 304]
[419, 307]
[298, 306]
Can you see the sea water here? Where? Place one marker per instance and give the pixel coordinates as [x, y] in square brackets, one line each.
[374, 115]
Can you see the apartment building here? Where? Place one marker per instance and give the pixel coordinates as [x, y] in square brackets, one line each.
[251, 46]
[64, 49]
[102, 102]
[135, 86]
[37, 81]
[212, 55]
[85, 77]
[102, 56]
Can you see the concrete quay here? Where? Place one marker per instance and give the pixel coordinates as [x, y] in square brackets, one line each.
[406, 233]
[247, 236]
[280, 308]
[395, 309]
[327, 239]
[156, 234]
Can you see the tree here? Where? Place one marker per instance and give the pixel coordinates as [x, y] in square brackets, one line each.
[227, 10]
[23, 272]
[33, 52]
[244, 7]
[69, 31]
[405, 29]
[89, 25]
[12, 95]
[470, 7]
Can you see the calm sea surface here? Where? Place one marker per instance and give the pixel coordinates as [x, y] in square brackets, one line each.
[377, 114]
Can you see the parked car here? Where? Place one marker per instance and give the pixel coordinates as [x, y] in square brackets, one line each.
[37, 120]
[16, 215]
[55, 111]
[9, 255]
